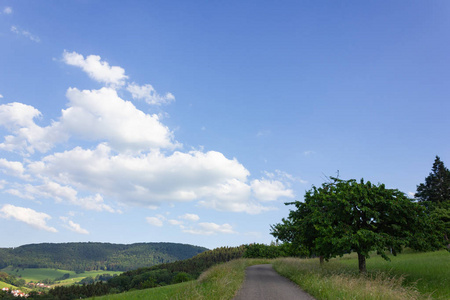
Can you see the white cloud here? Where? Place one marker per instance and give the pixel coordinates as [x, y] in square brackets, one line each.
[308, 152]
[103, 115]
[27, 215]
[17, 115]
[411, 194]
[151, 178]
[13, 168]
[96, 69]
[19, 118]
[2, 184]
[210, 229]
[19, 193]
[270, 190]
[25, 33]
[122, 142]
[155, 221]
[190, 217]
[73, 226]
[175, 222]
[149, 94]
[283, 176]
[59, 193]
[7, 10]
[98, 115]
[1, 96]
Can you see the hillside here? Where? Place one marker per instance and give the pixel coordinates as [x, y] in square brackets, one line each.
[81, 257]
[160, 275]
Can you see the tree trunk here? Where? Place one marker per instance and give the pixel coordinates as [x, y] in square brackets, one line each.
[321, 260]
[362, 263]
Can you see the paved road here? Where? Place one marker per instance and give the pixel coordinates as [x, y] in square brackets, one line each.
[263, 283]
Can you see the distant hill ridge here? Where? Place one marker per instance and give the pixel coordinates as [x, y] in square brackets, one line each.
[89, 256]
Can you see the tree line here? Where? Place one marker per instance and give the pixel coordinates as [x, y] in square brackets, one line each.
[82, 257]
[344, 216]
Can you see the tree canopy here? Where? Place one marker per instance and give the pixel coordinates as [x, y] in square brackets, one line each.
[343, 216]
[435, 191]
[434, 195]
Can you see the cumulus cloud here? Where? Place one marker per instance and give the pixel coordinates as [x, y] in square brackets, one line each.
[154, 177]
[155, 221]
[7, 10]
[98, 115]
[14, 168]
[102, 114]
[27, 215]
[27, 136]
[148, 93]
[98, 70]
[127, 155]
[175, 222]
[190, 217]
[210, 229]
[283, 176]
[151, 178]
[18, 115]
[73, 226]
[60, 193]
[25, 33]
[270, 190]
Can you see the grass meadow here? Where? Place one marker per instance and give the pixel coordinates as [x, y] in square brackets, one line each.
[406, 276]
[11, 287]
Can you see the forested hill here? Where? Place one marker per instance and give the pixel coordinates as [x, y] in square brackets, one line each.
[95, 256]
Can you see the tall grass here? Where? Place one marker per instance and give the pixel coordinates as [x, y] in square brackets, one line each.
[332, 283]
[407, 276]
[429, 272]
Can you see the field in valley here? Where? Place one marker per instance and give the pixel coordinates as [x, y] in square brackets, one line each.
[41, 274]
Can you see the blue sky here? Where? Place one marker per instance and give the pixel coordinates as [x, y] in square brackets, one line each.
[194, 121]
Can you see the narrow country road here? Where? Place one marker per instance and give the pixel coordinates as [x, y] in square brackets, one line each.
[263, 283]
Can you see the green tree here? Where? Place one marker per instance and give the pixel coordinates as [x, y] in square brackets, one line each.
[343, 216]
[434, 194]
[181, 277]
